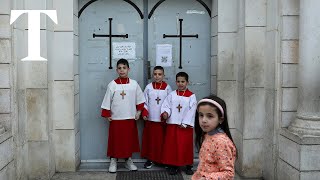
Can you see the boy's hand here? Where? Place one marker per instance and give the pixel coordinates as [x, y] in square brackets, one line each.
[109, 119]
[145, 118]
[165, 115]
[137, 115]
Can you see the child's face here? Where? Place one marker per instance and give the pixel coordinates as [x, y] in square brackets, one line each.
[208, 118]
[158, 75]
[123, 70]
[181, 83]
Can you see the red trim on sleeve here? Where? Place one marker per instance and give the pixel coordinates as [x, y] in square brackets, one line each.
[105, 113]
[145, 112]
[140, 107]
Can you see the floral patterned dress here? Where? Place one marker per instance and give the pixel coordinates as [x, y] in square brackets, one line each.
[217, 157]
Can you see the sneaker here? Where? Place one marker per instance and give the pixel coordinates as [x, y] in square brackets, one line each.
[173, 170]
[129, 165]
[148, 164]
[189, 171]
[113, 165]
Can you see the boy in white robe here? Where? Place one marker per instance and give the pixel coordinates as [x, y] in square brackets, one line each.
[178, 109]
[154, 128]
[122, 106]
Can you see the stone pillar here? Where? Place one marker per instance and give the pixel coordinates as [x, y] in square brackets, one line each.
[299, 145]
[307, 121]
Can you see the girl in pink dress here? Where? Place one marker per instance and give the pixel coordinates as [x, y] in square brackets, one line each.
[218, 152]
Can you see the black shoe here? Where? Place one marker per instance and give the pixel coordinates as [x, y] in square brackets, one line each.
[148, 164]
[189, 171]
[173, 170]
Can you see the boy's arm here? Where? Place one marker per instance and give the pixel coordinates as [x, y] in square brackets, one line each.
[166, 106]
[188, 119]
[145, 111]
[139, 98]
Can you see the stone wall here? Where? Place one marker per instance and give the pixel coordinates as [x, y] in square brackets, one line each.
[242, 78]
[7, 95]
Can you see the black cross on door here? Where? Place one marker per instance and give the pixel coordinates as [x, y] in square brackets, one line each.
[110, 35]
[180, 36]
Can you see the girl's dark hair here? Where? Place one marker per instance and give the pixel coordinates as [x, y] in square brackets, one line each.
[123, 61]
[183, 74]
[158, 68]
[224, 125]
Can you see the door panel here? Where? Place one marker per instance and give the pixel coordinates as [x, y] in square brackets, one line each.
[94, 56]
[94, 67]
[195, 51]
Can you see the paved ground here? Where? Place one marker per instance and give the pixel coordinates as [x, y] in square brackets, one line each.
[99, 171]
[102, 175]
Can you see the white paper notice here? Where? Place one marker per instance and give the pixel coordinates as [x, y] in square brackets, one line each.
[125, 50]
[164, 55]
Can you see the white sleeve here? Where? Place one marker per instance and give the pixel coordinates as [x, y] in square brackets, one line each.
[166, 105]
[146, 97]
[107, 100]
[139, 94]
[169, 90]
[188, 119]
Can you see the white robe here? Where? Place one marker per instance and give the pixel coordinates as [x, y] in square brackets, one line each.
[187, 112]
[151, 104]
[122, 109]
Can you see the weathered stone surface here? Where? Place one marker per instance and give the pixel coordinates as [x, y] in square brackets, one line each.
[8, 172]
[289, 151]
[5, 75]
[63, 104]
[287, 118]
[5, 49]
[287, 172]
[61, 66]
[227, 21]
[5, 31]
[254, 118]
[37, 114]
[227, 91]
[289, 75]
[5, 7]
[214, 26]
[252, 159]
[65, 15]
[6, 150]
[5, 101]
[310, 159]
[255, 12]
[226, 56]
[5, 121]
[64, 141]
[38, 159]
[290, 27]
[290, 7]
[290, 51]
[289, 99]
[213, 84]
[255, 56]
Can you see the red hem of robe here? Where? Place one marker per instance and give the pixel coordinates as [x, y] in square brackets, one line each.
[123, 138]
[152, 141]
[178, 146]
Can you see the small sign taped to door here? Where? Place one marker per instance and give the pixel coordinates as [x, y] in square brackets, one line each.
[164, 55]
[125, 50]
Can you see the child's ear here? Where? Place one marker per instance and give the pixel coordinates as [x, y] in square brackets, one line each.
[221, 120]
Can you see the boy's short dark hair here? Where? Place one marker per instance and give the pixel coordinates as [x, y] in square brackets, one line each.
[183, 74]
[158, 68]
[123, 61]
